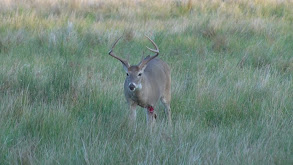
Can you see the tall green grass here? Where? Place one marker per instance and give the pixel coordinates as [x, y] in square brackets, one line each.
[61, 95]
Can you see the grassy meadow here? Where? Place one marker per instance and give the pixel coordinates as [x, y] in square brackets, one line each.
[61, 94]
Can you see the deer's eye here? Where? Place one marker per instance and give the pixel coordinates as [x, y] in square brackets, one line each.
[127, 74]
[139, 74]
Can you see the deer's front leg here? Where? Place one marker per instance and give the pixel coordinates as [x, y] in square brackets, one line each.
[151, 116]
[132, 115]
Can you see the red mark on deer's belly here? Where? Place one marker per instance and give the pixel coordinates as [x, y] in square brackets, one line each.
[151, 109]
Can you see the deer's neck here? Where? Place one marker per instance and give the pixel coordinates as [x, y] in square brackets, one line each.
[140, 95]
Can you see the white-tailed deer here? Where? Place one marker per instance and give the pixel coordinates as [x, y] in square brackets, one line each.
[146, 83]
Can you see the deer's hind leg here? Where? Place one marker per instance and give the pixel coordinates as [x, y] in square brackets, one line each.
[166, 102]
[166, 99]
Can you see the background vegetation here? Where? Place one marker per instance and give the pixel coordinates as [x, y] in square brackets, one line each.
[61, 95]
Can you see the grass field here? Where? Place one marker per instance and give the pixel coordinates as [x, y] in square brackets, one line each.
[61, 95]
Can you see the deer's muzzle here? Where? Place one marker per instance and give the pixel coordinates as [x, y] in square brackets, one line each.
[132, 86]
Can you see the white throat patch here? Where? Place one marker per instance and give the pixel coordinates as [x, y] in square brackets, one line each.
[139, 86]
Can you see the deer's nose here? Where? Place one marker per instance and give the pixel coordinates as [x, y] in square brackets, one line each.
[131, 86]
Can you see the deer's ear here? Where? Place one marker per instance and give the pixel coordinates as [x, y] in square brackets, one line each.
[145, 58]
[142, 68]
[125, 68]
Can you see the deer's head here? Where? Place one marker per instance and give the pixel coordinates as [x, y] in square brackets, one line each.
[135, 73]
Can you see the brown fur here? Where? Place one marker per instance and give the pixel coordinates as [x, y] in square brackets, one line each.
[151, 82]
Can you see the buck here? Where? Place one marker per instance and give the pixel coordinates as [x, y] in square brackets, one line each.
[146, 83]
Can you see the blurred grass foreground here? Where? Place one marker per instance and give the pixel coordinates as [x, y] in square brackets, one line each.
[61, 95]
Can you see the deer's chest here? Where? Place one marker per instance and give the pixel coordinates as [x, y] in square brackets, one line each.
[139, 99]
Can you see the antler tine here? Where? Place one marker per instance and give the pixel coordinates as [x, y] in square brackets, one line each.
[157, 49]
[114, 44]
[153, 50]
[148, 59]
[118, 58]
